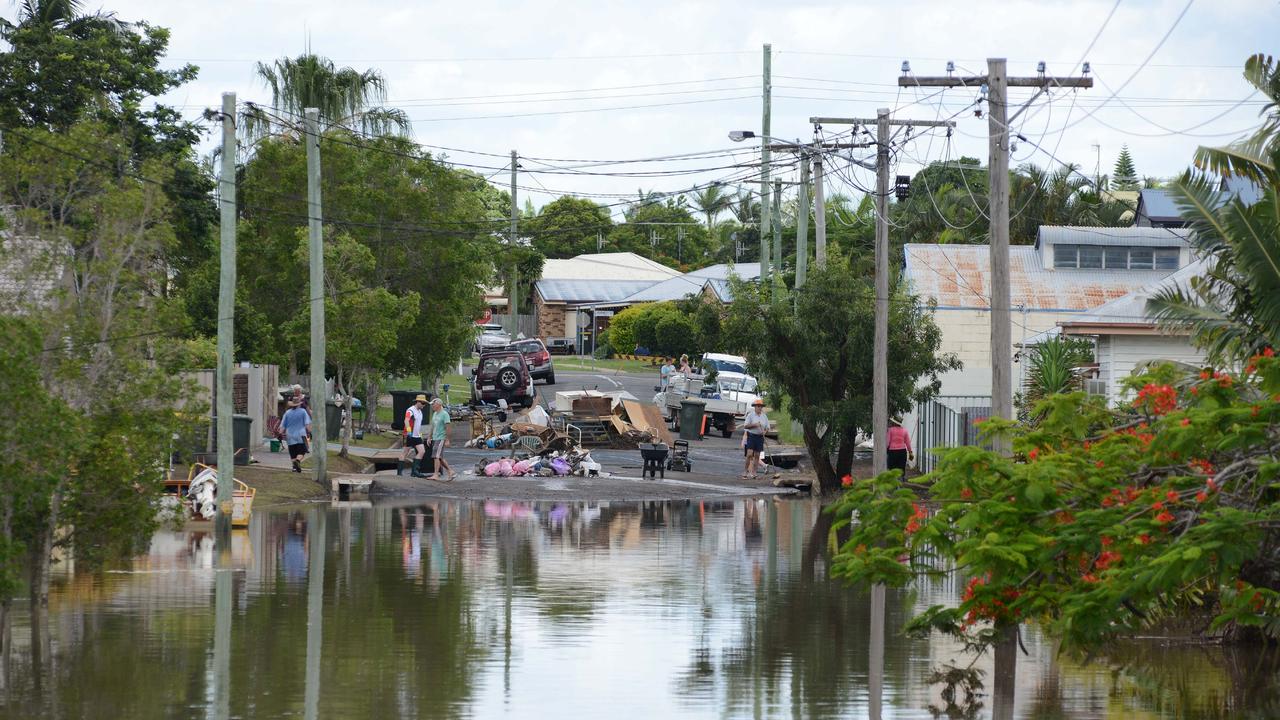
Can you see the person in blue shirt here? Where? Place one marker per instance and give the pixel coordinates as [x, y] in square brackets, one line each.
[439, 438]
[297, 428]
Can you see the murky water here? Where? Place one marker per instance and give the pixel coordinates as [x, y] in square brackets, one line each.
[620, 610]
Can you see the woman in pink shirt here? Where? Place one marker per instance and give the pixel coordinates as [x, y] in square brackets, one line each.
[899, 447]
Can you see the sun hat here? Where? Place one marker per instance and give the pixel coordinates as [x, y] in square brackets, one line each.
[758, 403]
[420, 398]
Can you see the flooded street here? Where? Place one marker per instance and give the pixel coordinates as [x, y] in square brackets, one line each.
[497, 609]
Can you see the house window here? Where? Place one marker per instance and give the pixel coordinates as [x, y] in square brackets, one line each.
[1166, 259]
[1064, 256]
[1096, 257]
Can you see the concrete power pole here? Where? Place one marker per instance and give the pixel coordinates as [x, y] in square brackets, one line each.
[513, 300]
[880, 368]
[998, 82]
[226, 320]
[315, 247]
[765, 130]
[802, 224]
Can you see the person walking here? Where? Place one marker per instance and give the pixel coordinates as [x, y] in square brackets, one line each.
[439, 438]
[898, 447]
[296, 424]
[413, 442]
[755, 424]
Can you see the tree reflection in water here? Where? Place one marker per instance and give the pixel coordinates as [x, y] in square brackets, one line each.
[686, 609]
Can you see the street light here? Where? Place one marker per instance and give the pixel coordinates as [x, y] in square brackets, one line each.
[740, 135]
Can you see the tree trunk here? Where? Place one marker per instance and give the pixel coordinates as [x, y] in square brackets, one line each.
[827, 480]
[340, 383]
[371, 393]
[817, 542]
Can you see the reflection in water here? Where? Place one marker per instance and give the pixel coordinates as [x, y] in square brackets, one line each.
[458, 609]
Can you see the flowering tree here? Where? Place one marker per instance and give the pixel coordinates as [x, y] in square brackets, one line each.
[1103, 523]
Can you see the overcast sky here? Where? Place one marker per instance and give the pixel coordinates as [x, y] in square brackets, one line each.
[454, 66]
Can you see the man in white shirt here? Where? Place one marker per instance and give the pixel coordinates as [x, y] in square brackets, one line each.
[413, 442]
[756, 424]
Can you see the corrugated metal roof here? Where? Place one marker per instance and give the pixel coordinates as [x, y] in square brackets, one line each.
[1131, 308]
[958, 276]
[691, 283]
[722, 271]
[1125, 236]
[607, 266]
[721, 288]
[591, 290]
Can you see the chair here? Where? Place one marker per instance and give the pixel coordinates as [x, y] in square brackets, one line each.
[530, 444]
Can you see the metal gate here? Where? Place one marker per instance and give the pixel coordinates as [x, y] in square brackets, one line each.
[948, 421]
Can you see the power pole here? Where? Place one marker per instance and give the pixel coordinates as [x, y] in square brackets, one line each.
[777, 238]
[819, 215]
[802, 224]
[880, 368]
[315, 246]
[765, 129]
[226, 321]
[997, 82]
[513, 300]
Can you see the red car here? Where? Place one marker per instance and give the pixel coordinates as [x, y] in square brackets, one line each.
[537, 358]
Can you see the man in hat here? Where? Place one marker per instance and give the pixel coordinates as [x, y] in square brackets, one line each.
[439, 436]
[413, 441]
[755, 425]
[296, 425]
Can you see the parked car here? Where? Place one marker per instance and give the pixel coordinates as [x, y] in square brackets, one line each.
[732, 378]
[491, 335]
[538, 358]
[502, 375]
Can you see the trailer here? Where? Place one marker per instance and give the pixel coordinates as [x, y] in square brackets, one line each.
[722, 414]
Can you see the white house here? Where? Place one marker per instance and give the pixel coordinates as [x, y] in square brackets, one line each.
[1067, 273]
[1126, 337]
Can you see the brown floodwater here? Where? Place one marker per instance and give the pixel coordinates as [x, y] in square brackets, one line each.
[539, 610]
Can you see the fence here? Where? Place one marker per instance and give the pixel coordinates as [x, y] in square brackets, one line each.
[948, 421]
[526, 325]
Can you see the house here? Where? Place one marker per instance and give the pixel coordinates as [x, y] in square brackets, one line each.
[1156, 208]
[568, 285]
[694, 282]
[1068, 272]
[1126, 337]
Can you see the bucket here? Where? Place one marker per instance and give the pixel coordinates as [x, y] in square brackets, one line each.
[275, 445]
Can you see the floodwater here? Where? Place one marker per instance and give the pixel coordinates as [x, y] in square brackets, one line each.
[538, 610]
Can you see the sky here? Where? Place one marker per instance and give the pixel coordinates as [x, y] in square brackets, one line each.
[564, 81]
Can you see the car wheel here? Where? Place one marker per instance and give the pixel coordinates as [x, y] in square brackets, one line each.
[551, 378]
[508, 377]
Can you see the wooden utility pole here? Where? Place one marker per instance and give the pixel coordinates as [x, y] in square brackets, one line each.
[802, 224]
[765, 130]
[513, 299]
[997, 83]
[777, 239]
[226, 321]
[880, 369]
[819, 215]
[315, 247]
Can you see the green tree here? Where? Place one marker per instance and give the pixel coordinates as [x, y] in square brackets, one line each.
[663, 230]
[363, 322]
[814, 351]
[1125, 175]
[1052, 370]
[622, 328]
[711, 201]
[344, 96]
[568, 226]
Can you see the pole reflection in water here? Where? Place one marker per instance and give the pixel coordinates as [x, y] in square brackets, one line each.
[316, 544]
[875, 662]
[222, 630]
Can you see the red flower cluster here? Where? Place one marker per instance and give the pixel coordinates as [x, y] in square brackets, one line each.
[1159, 399]
[917, 515]
[847, 480]
[1107, 558]
[1164, 517]
[1118, 498]
[1253, 361]
[966, 493]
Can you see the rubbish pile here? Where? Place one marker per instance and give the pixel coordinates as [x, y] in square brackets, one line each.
[552, 463]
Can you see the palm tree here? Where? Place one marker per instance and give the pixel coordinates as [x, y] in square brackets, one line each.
[711, 201]
[1233, 309]
[57, 14]
[745, 210]
[344, 96]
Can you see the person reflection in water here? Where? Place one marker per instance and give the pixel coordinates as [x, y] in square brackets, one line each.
[293, 554]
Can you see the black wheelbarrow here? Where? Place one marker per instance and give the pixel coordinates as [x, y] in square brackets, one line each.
[655, 458]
